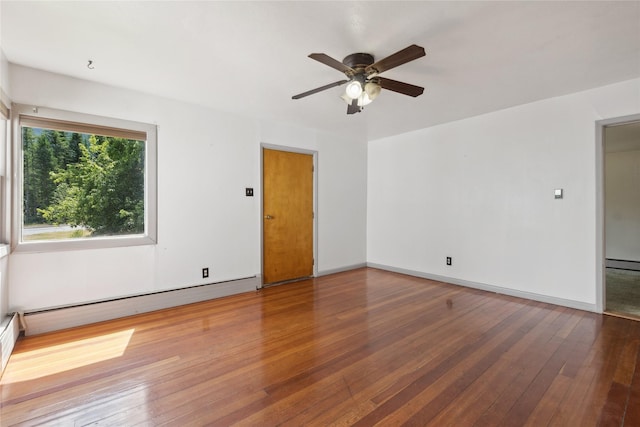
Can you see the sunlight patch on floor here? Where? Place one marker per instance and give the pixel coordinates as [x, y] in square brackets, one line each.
[50, 360]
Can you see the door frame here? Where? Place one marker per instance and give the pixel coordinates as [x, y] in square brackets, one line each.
[600, 207]
[313, 153]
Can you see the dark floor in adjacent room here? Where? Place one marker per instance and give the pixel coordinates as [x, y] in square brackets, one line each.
[623, 292]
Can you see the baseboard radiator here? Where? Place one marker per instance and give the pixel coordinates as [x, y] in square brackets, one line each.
[9, 331]
[41, 321]
[622, 264]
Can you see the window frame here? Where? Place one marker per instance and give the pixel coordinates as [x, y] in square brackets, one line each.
[31, 115]
[5, 202]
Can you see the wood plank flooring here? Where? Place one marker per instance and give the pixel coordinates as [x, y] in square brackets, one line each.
[365, 347]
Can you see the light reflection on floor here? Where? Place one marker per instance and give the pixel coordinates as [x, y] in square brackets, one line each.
[50, 360]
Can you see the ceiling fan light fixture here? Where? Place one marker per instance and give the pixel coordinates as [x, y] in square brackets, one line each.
[372, 89]
[364, 99]
[354, 89]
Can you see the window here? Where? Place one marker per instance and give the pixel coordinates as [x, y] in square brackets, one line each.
[83, 181]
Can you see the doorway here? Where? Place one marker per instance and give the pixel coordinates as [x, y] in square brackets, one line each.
[621, 217]
[288, 215]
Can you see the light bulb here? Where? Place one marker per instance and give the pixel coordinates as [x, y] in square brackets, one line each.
[354, 89]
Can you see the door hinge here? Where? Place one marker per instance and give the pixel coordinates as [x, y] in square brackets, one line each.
[313, 215]
[313, 261]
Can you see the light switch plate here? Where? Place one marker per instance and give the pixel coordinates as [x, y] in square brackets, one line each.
[558, 193]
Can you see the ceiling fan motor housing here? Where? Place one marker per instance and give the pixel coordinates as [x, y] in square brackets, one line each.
[358, 61]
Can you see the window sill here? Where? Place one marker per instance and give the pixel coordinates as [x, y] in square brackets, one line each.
[82, 244]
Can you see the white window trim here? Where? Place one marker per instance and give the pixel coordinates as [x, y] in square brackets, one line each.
[150, 204]
[5, 202]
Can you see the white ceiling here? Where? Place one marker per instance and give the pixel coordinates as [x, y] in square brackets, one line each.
[251, 57]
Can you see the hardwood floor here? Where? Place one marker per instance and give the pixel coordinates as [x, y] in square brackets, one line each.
[355, 348]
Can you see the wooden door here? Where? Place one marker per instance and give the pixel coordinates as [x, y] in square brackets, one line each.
[288, 215]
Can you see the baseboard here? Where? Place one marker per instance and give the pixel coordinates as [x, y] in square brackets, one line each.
[9, 331]
[341, 269]
[622, 264]
[53, 319]
[490, 288]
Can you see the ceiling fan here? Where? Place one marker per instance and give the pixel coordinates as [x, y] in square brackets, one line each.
[363, 80]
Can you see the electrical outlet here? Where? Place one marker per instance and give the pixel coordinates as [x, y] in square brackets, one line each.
[205, 272]
[248, 192]
[448, 260]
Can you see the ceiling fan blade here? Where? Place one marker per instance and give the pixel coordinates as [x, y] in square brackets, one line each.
[319, 89]
[400, 87]
[353, 107]
[333, 63]
[401, 57]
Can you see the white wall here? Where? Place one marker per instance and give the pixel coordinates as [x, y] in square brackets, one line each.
[481, 190]
[622, 202]
[205, 160]
[4, 268]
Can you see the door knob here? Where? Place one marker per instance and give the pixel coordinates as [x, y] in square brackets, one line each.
[268, 217]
